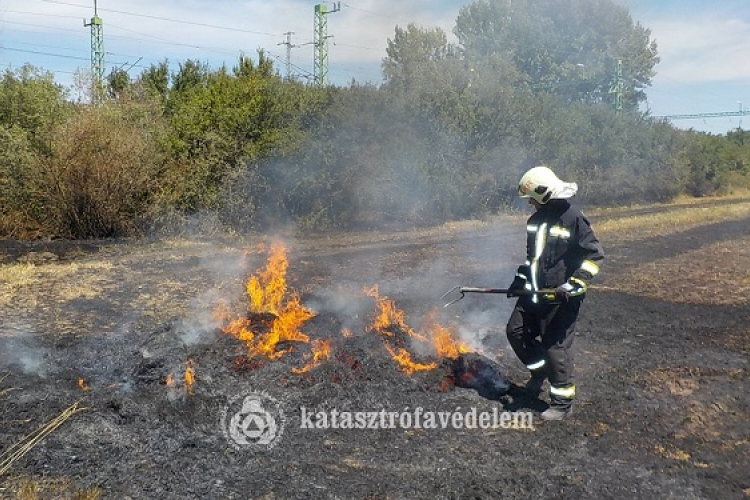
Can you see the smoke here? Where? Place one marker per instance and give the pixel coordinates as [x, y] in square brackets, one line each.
[24, 354]
[347, 305]
[227, 273]
[203, 225]
[197, 328]
[484, 330]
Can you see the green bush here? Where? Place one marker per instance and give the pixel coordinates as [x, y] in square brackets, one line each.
[101, 177]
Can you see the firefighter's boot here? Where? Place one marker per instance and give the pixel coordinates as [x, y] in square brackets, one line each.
[555, 412]
[561, 406]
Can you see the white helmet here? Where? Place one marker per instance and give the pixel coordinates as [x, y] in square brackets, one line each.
[541, 184]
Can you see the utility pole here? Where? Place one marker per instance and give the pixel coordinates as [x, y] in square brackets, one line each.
[320, 41]
[97, 56]
[289, 48]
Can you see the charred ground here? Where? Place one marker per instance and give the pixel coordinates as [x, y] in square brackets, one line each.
[661, 358]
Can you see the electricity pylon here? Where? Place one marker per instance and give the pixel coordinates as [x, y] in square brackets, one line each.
[320, 42]
[289, 47]
[97, 55]
[618, 88]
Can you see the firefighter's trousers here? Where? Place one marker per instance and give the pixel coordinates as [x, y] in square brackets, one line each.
[542, 336]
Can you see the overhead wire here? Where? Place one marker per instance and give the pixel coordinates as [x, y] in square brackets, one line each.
[155, 39]
[37, 14]
[38, 52]
[167, 19]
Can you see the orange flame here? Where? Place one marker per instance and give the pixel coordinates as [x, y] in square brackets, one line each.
[82, 384]
[189, 376]
[388, 316]
[267, 292]
[321, 351]
[222, 313]
[405, 361]
[188, 381]
[442, 338]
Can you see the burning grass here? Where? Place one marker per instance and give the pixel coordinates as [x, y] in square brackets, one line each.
[437, 341]
[181, 385]
[271, 325]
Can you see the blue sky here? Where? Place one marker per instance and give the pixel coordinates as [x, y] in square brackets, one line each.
[704, 45]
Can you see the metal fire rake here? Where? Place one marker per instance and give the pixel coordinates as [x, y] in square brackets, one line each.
[463, 290]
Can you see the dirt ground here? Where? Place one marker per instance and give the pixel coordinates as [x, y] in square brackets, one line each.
[661, 367]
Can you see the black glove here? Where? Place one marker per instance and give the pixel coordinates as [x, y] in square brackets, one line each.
[518, 284]
[562, 292]
[574, 287]
[520, 281]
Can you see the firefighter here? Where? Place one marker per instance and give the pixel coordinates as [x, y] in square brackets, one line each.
[562, 254]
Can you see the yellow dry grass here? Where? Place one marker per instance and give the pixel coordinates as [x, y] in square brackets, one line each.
[28, 488]
[103, 293]
[21, 283]
[671, 221]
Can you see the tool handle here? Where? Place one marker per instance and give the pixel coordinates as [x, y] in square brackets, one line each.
[521, 292]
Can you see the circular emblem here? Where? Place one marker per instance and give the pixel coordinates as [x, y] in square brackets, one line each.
[252, 419]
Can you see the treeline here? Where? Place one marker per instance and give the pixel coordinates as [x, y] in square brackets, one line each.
[445, 137]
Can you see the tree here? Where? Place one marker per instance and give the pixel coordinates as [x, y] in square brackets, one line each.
[191, 74]
[414, 54]
[568, 47]
[156, 79]
[118, 82]
[31, 100]
[246, 67]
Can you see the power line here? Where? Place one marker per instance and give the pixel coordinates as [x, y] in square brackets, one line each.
[164, 41]
[705, 115]
[159, 18]
[38, 14]
[58, 47]
[355, 46]
[42, 53]
[44, 26]
[64, 56]
[150, 39]
[376, 14]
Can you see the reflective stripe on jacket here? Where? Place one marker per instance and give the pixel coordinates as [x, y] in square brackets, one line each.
[560, 245]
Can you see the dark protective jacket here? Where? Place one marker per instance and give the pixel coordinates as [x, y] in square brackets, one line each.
[560, 245]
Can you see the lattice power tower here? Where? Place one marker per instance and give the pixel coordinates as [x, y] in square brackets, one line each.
[97, 54]
[320, 42]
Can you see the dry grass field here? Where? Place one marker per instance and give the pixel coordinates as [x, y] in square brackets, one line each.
[661, 359]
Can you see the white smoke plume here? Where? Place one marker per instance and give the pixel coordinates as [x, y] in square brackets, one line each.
[24, 354]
